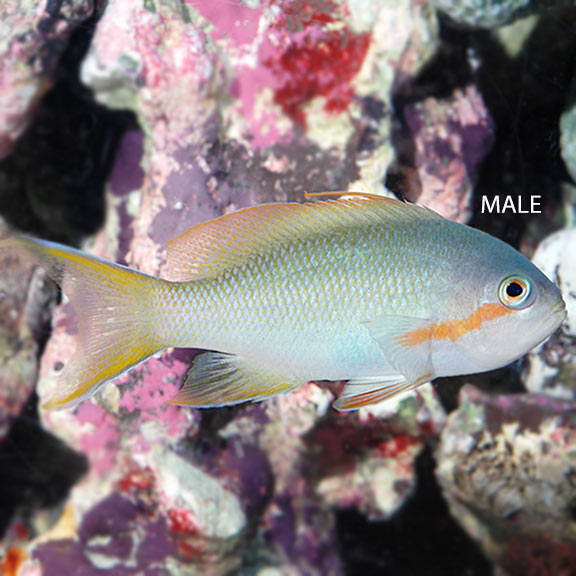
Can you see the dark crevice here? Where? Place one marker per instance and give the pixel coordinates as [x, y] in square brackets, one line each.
[421, 539]
[526, 96]
[52, 184]
[37, 470]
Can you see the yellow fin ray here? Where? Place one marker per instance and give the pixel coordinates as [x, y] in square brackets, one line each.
[115, 317]
[218, 379]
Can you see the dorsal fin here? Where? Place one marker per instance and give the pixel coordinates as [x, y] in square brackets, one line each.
[211, 247]
[346, 193]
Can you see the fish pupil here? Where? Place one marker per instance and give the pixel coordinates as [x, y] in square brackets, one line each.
[514, 289]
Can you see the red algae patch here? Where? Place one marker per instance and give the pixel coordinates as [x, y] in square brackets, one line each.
[323, 66]
[315, 61]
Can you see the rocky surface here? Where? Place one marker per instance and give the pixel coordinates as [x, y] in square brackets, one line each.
[506, 465]
[242, 103]
[371, 467]
[451, 138]
[33, 36]
[552, 367]
[568, 127]
[24, 312]
[494, 13]
[227, 120]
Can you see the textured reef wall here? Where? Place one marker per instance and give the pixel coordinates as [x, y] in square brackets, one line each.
[164, 114]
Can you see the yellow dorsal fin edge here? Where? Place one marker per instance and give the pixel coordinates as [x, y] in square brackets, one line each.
[211, 247]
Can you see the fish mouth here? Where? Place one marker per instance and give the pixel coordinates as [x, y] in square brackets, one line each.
[551, 321]
[561, 308]
[559, 314]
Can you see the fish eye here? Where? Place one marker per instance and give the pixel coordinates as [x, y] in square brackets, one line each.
[515, 292]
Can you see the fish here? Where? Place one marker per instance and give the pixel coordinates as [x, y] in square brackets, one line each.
[383, 294]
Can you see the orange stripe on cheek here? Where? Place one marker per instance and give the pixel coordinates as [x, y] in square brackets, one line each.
[454, 329]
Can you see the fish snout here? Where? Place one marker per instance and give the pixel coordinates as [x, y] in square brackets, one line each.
[560, 310]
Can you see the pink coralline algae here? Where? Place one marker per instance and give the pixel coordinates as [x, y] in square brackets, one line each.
[236, 23]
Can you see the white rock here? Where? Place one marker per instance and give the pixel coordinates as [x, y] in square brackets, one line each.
[556, 257]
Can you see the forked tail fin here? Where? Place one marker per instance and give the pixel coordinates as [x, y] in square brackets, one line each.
[115, 311]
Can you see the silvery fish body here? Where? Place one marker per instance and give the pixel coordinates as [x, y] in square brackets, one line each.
[383, 294]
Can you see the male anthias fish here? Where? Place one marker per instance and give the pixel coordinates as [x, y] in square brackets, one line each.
[383, 294]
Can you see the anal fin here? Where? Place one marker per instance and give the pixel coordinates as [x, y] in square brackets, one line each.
[217, 379]
[365, 392]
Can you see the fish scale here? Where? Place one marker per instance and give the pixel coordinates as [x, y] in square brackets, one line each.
[248, 304]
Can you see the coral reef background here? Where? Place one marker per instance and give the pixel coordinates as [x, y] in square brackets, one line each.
[125, 122]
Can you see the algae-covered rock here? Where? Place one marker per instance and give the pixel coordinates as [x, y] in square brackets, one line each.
[366, 461]
[33, 36]
[551, 367]
[506, 466]
[227, 120]
[451, 138]
[568, 136]
[26, 300]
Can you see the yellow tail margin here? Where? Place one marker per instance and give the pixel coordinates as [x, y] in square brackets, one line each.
[116, 318]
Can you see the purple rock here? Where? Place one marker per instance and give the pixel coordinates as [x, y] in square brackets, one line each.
[451, 138]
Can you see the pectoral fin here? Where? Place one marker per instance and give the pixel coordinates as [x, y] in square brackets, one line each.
[365, 392]
[406, 343]
[218, 379]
